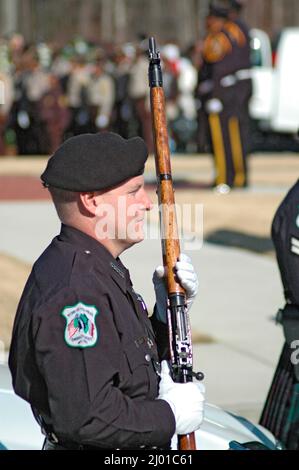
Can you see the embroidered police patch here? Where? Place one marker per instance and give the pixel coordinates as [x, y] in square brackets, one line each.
[80, 330]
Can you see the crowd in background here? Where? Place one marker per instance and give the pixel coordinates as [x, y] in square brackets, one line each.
[52, 93]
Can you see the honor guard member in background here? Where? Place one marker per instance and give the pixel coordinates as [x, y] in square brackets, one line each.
[83, 352]
[218, 94]
[139, 93]
[6, 99]
[281, 410]
[239, 33]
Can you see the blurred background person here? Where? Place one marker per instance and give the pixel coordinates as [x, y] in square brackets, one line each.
[101, 96]
[139, 92]
[54, 113]
[30, 82]
[77, 95]
[185, 126]
[6, 99]
[239, 31]
[123, 114]
[218, 87]
[170, 55]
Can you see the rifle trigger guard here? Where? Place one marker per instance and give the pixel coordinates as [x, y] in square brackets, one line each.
[198, 375]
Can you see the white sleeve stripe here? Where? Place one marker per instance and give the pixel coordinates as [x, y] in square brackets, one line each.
[295, 249]
[295, 241]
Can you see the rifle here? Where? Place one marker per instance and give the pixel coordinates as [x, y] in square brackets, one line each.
[179, 331]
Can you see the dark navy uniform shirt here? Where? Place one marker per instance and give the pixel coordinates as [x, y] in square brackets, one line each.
[285, 236]
[83, 350]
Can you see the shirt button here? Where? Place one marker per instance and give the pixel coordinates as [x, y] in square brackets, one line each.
[147, 357]
[87, 252]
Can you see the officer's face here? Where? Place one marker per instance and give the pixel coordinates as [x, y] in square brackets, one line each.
[121, 212]
[214, 24]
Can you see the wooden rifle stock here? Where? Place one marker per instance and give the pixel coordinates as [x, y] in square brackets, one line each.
[178, 321]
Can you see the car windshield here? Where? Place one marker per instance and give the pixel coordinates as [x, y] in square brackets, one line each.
[256, 52]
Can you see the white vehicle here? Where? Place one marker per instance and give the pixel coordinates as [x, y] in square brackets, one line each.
[219, 431]
[260, 106]
[285, 109]
[275, 101]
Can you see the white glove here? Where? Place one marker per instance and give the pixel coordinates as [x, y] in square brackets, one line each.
[102, 121]
[214, 106]
[187, 278]
[186, 401]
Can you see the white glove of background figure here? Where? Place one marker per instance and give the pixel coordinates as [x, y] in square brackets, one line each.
[187, 278]
[186, 401]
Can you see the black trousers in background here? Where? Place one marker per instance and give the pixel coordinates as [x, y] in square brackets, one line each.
[230, 160]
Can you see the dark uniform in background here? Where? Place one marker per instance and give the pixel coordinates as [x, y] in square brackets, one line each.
[239, 31]
[281, 410]
[31, 83]
[219, 88]
[83, 350]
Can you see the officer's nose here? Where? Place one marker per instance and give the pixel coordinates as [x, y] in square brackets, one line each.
[146, 200]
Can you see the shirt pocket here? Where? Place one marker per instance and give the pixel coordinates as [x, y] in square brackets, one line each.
[142, 377]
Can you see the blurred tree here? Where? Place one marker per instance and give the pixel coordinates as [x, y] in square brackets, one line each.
[26, 18]
[106, 20]
[8, 16]
[122, 20]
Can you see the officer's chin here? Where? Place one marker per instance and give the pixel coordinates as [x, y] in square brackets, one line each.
[129, 242]
[139, 238]
[136, 237]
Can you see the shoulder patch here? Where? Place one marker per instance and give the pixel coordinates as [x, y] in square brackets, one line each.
[80, 329]
[235, 33]
[216, 47]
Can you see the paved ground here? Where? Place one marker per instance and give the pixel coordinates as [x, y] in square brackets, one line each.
[241, 212]
[237, 342]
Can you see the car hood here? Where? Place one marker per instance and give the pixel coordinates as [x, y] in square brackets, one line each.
[19, 430]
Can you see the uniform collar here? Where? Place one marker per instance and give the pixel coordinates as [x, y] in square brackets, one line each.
[105, 260]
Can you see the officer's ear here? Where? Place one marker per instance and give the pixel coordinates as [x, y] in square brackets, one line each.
[89, 202]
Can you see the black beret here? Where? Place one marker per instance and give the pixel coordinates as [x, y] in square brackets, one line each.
[237, 4]
[90, 162]
[219, 9]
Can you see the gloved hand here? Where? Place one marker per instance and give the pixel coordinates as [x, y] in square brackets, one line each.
[186, 401]
[187, 278]
[214, 106]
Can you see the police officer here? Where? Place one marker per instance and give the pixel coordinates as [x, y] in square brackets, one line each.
[6, 99]
[83, 352]
[139, 93]
[217, 90]
[281, 410]
[239, 33]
